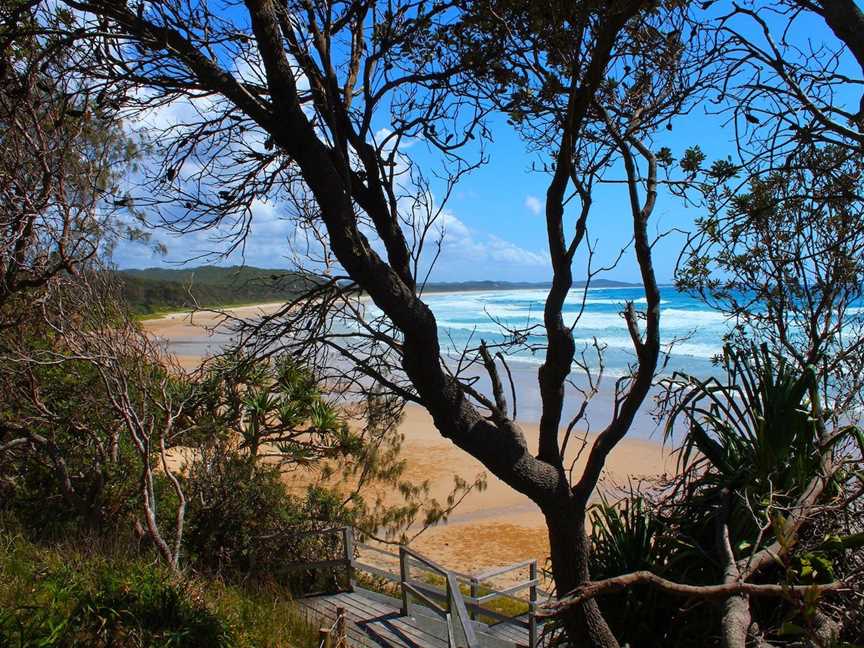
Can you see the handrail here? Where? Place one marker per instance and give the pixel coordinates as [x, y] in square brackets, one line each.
[451, 637]
[345, 561]
[456, 614]
[505, 593]
[454, 599]
[502, 570]
[423, 560]
[368, 547]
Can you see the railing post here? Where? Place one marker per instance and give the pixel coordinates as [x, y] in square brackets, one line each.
[451, 637]
[341, 629]
[348, 535]
[475, 590]
[451, 631]
[532, 606]
[324, 640]
[404, 574]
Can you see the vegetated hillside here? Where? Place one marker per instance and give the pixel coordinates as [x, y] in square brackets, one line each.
[155, 290]
[80, 593]
[159, 289]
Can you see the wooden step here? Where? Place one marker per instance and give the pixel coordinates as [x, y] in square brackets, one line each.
[375, 620]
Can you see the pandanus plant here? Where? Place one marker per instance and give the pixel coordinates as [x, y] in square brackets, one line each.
[751, 446]
[757, 431]
[272, 407]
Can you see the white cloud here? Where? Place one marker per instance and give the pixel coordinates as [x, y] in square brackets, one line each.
[462, 244]
[533, 204]
[502, 251]
[266, 243]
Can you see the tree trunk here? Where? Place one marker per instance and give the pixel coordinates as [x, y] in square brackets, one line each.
[568, 544]
[736, 621]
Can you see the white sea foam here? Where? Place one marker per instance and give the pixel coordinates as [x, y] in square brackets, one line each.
[460, 315]
[679, 317]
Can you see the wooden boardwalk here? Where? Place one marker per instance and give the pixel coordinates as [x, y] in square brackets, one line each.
[375, 621]
[371, 621]
[439, 608]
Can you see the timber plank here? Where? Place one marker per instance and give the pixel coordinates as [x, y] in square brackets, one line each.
[372, 622]
[375, 621]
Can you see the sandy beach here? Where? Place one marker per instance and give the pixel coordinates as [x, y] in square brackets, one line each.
[495, 527]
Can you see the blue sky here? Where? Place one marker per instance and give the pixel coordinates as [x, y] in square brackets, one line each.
[495, 225]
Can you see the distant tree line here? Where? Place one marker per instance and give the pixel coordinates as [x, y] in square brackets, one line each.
[152, 291]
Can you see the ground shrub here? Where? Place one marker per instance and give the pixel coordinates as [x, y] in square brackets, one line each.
[61, 597]
[241, 523]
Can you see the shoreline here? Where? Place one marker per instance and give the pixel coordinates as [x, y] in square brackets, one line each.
[173, 314]
[492, 528]
[150, 317]
[193, 335]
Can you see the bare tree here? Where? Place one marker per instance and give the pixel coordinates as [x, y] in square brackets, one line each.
[63, 154]
[141, 396]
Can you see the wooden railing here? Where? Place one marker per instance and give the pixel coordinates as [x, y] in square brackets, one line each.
[460, 628]
[342, 561]
[457, 598]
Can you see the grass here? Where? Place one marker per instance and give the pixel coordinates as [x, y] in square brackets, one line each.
[71, 596]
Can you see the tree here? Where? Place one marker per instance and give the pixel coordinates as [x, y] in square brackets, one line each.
[271, 411]
[128, 415]
[780, 92]
[779, 253]
[63, 154]
[313, 104]
[783, 260]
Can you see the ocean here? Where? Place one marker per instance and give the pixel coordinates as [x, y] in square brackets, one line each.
[697, 331]
[464, 318]
[691, 334]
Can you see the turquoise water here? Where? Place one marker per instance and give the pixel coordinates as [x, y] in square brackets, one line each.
[467, 317]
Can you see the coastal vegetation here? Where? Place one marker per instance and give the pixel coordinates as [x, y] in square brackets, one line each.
[145, 504]
[155, 290]
[158, 290]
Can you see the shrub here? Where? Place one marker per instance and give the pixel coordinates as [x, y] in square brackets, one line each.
[632, 535]
[59, 597]
[242, 522]
[77, 441]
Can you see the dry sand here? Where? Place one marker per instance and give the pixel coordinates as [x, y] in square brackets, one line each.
[495, 527]
[499, 526]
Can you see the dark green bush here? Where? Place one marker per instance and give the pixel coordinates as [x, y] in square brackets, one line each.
[749, 450]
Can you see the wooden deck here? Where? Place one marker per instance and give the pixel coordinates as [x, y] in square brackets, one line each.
[371, 622]
[439, 608]
[375, 621]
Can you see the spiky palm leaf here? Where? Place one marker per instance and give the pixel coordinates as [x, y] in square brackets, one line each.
[755, 431]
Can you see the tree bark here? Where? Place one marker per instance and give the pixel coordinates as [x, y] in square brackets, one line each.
[846, 20]
[569, 550]
[736, 621]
